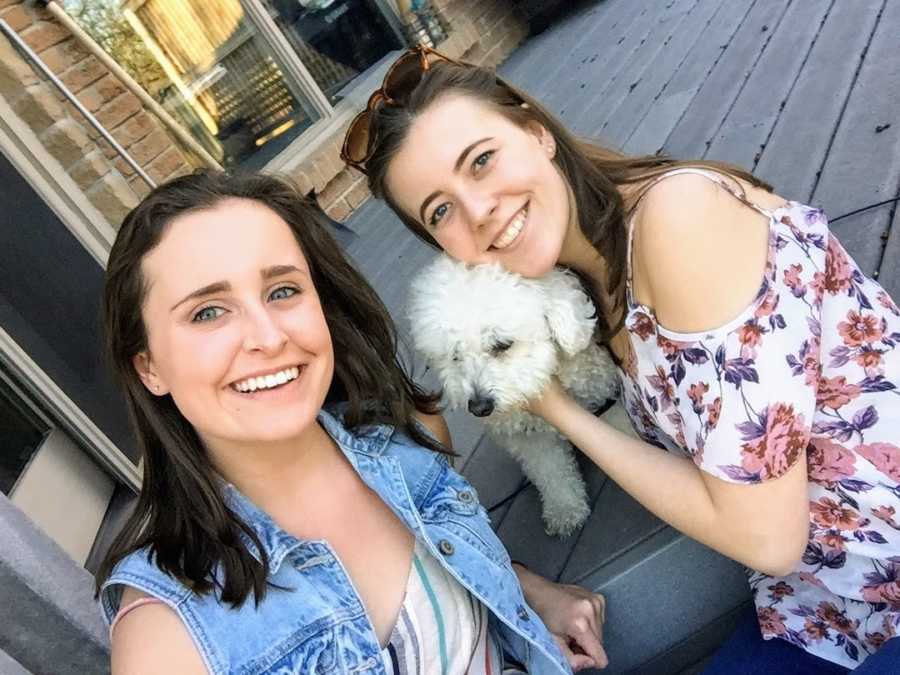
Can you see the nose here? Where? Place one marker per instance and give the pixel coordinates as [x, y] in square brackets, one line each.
[481, 406]
[263, 333]
[480, 206]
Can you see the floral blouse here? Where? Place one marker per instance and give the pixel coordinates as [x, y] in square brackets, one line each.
[813, 363]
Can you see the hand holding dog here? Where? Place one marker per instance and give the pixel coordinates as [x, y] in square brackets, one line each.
[572, 614]
[550, 400]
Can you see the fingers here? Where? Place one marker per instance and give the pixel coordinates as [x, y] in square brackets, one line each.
[587, 629]
[576, 661]
[589, 643]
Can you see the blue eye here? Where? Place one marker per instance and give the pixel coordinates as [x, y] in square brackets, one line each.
[482, 159]
[207, 314]
[439, 213]
[282, 293]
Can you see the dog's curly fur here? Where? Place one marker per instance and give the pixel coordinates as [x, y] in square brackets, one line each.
[495, 339]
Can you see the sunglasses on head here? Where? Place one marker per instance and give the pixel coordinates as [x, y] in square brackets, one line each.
[401, 78]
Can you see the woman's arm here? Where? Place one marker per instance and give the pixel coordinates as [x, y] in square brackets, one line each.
[699, 259]
[152, 639]
[763, 526]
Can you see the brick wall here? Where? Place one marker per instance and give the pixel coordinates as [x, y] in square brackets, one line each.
[484, 32]
[109, 183]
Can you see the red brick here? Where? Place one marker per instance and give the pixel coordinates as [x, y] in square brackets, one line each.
[139, 186]
[86, 72]
[168, 163]
[19, 17]
[113, 197]
[44, 34]
[38, 107]
[118, 110]
[358, 195]
[339, 210]
[135, 128]
[120, 164]
[91, 168]
[151, 146]
[109, 87]
[67, 141]
[15, 73]
[90, 99]
[302, 181]
[63, 56]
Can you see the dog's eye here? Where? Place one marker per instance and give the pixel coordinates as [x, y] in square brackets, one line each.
[500, 347]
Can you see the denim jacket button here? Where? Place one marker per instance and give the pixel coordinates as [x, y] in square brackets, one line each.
[523, 613]
[445, 547]
[466, 497]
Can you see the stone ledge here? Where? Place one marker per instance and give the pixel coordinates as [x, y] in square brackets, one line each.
[51, 622]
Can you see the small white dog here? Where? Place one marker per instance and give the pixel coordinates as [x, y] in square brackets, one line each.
[495, 339]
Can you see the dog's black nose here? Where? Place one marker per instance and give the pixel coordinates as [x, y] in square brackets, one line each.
[481, 406]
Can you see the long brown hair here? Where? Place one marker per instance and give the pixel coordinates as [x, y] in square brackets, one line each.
[180, 515]
[592, 171]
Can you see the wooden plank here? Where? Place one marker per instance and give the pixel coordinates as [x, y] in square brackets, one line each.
[619, 117]
[745, 131]
[522, 530]
[659, 594]
[609, 52]
[798, 145]
[709, 107]
[650, 130]
[644, 38]
[562, 63]
[527, 60]
[616, 524]
[863, 164]
[590, 118]
[889, 274]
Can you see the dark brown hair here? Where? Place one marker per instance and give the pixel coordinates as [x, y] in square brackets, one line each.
[592, 172]
[180, 515]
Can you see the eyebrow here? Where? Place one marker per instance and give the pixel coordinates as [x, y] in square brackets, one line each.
[223, 286]
[456, 167]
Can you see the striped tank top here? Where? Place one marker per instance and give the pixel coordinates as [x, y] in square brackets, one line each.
[441, 628]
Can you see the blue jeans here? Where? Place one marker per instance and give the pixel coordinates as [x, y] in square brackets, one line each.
[746, 653]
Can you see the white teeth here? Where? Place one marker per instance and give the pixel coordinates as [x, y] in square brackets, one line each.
[267, 381]
[510, 234]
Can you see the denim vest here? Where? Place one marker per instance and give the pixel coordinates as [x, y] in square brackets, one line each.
[318, 624]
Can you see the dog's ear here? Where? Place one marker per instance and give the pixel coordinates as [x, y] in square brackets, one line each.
[569, 312]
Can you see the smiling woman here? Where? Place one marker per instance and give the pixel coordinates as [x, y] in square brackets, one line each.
[290, 460]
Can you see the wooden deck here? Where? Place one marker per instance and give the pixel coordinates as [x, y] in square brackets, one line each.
[806, 93]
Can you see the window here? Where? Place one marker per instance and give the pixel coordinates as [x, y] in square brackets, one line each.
[21, 434]
[245, 77]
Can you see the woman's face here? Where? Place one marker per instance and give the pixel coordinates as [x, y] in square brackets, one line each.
[236, 333]
[485, 188]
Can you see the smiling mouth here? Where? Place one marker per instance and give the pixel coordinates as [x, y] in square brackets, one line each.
[513, 230]
[271, 381]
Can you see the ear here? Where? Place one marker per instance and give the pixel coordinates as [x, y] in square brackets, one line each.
[542, 136]
[143, 366]
[568, 311]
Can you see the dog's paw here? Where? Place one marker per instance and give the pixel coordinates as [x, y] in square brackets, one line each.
[563, 519]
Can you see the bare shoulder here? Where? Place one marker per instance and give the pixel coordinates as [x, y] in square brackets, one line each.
[137, 638]
[699, 253]
[437, 425]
